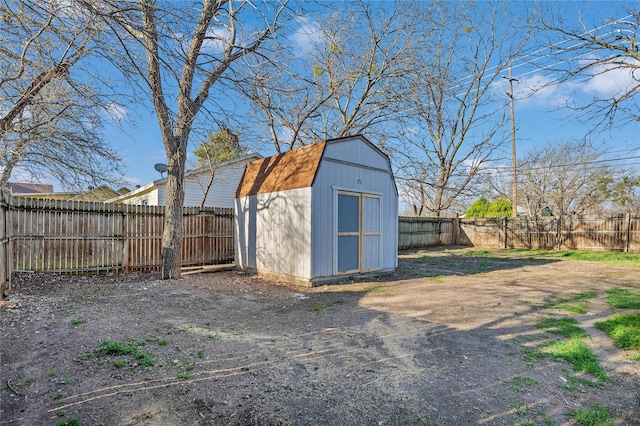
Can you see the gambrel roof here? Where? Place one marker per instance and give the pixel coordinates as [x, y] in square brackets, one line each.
[290, 170]
[294, 169]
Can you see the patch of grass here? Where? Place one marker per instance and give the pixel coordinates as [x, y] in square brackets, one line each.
[574, 309]
[377, 289]
[614, 258]
[565, 327]
[52, 372]
[201, 353]
[624, 329]
[322, 308]
[576, 352]
[73, 421]
[585, 382]
[163, 342]
[596, 415]
[67, 380]
[78, 321]
[120, 363]
[60, 395]
[214, 336]
[520, 382]
[184, 375]
[29, 381]
[61, 413]
[623, 299]
[85, 356]
[112, 347]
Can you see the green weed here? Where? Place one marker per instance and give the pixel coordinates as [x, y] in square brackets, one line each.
[574, 309]
[596, 415]
[73, 421]
[322, 308]
[201, 353]
[78, 321]
[576, 352]
[565, 327]
[120, 363]
[112, 347]
[623, 299]
[162, 342]
[85, 356]
[624, 329]
[519, 383]
[52, 372]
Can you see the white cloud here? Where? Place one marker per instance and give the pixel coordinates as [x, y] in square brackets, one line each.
[609, 80]
[216, 40]
[116, 112]
[307, 35]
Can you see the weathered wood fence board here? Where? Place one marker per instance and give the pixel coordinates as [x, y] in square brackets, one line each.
[615, 232]
[426, 231]
[60, 236]
[5, 254]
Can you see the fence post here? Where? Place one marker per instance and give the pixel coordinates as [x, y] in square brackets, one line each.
[5, 242]
[125, 240]
[506, 231]
[558, 243]
[628, 233]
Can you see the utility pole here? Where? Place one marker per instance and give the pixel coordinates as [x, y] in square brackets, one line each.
[514, 176]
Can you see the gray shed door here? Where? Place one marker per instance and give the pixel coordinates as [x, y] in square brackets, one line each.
[358, 248]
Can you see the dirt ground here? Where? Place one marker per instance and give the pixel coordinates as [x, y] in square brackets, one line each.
[444, 341]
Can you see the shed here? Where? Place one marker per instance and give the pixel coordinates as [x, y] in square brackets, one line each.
[319, 213]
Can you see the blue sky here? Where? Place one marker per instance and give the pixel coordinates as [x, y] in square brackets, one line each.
[540, 119]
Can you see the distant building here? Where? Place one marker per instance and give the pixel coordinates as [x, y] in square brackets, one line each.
[221, 193]
[45, 192]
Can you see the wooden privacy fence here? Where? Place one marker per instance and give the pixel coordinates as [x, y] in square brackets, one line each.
[615, 232]
[79, 237]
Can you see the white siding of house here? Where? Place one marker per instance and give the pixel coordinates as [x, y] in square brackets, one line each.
[274, 233]
[222, 191]
[150, 199]
[333, 176]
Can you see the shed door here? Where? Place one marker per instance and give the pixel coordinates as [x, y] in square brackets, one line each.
[358, 219]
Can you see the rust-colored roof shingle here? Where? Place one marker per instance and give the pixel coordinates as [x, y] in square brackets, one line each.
[290, 170]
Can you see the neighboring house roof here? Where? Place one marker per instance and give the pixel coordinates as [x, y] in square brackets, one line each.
[293, 169]
[159, 182]
[44, 191]
[30, 188]
[99, 194]
[290, 170]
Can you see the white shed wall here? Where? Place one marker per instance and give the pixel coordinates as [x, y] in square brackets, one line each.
[356, 151]
[274, 233]
[363, 178]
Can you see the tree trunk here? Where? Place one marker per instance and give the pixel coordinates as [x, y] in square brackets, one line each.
[172, 237]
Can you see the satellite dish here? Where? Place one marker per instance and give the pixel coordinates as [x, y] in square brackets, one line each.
[161, 167]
